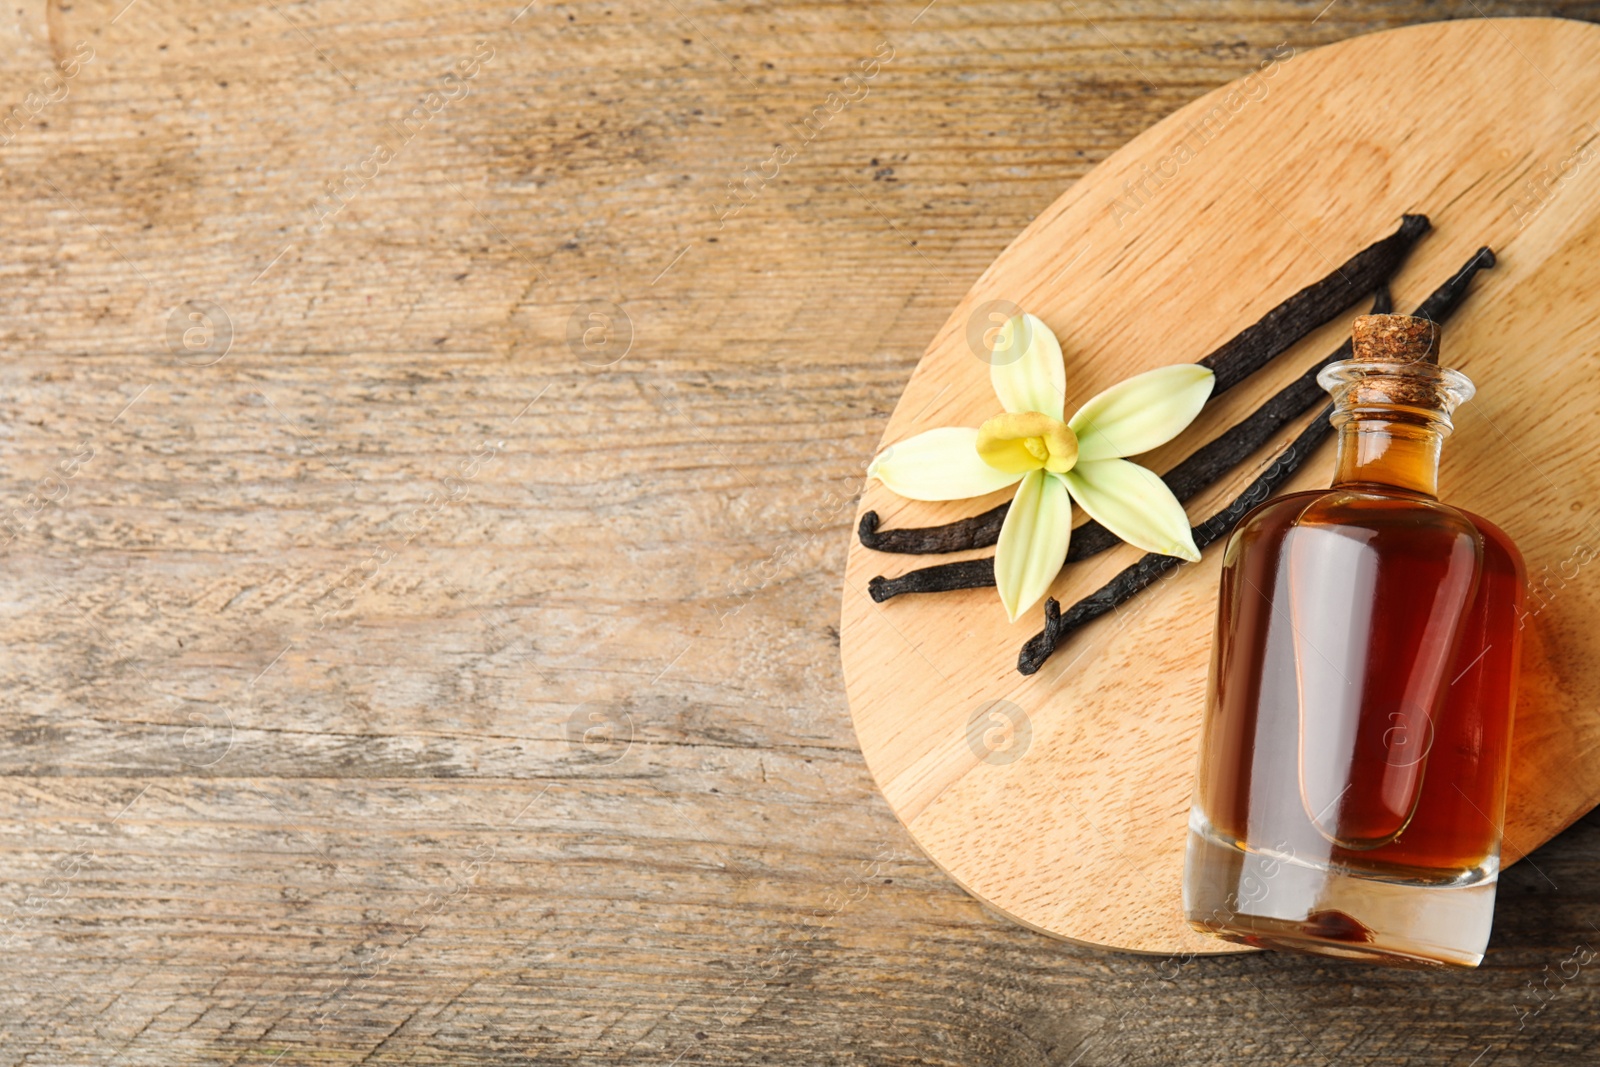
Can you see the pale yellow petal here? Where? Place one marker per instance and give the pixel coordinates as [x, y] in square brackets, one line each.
[941, 464]
[1026, 369]
[1134, 504]
[1142, 412]
[1033, 542]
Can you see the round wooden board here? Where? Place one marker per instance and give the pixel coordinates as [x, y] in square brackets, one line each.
[1074, 824]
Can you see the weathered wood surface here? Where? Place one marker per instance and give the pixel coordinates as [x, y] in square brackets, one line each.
[334, 737]
[1067, 808]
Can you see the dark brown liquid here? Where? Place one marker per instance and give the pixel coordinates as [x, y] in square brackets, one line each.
[1361, 683]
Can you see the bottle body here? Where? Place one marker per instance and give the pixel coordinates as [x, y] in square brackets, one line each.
[1356, 745]
[1351, 789]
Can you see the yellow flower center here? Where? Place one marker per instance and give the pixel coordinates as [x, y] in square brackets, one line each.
[1025, 441]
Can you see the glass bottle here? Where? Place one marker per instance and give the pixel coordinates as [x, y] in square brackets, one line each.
[1355, 749]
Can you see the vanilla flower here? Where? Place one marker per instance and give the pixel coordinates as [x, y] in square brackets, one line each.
[1054, 461]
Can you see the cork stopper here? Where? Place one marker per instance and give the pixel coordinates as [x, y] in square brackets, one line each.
[1395, 339]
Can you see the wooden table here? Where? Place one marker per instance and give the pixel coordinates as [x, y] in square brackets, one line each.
[431, 434]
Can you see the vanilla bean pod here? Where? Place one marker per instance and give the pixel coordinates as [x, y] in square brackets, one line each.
[976, 531]
[940, 578]
[1193, 474]
[1236, 444]
[1206, 465]
[1443, 301]
[1318, 303]
[1133, 580]
[974, 573]
[1232, 447]
[1439, 306]
[1248, 351]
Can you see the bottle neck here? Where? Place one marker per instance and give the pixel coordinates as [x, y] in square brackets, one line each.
[1396, 453]
[1392, 419]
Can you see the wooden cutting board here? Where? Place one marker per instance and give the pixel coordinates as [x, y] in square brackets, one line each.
[1061, 800]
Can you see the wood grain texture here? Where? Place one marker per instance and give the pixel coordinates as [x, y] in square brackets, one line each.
[318, 750]
[1074, 820]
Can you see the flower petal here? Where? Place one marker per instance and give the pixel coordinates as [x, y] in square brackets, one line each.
[941, 464]
[1026, 369]
[1142, 412]
[1134, 504]
[1033, 541]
